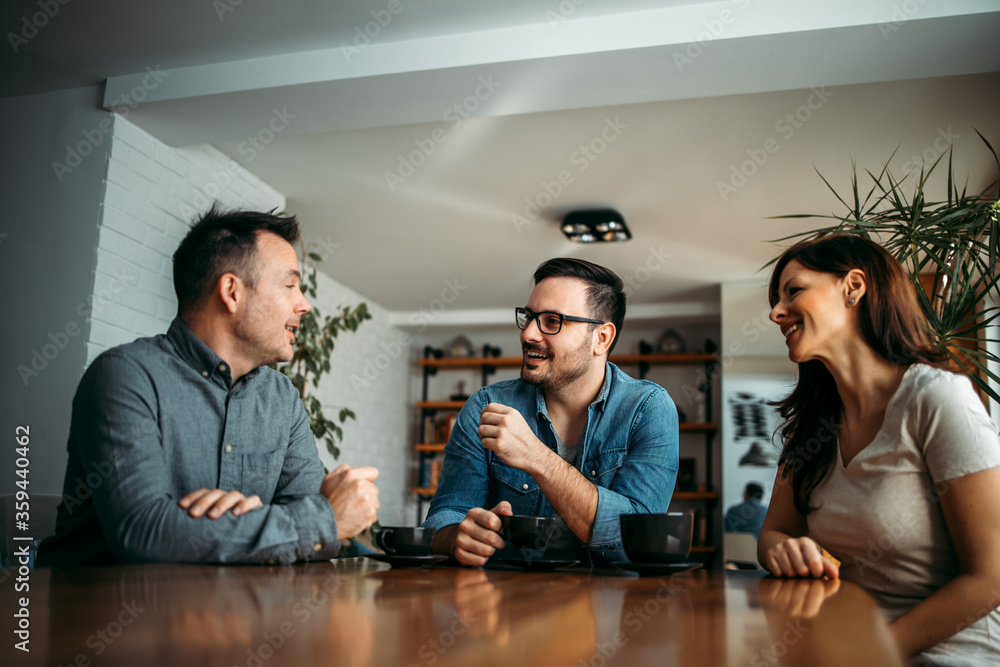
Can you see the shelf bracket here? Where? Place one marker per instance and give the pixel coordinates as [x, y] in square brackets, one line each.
[489, 352]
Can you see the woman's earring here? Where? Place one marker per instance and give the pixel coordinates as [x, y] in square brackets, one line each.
[850, 302]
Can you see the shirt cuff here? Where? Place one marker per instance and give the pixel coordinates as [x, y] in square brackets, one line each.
[316, 526]
[443, 518]
[606, 537]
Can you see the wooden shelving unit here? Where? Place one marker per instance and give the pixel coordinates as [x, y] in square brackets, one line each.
[705, 495]
[695, 495]
[440, 405]
[617, 359]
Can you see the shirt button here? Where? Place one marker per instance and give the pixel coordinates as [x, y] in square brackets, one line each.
[229, 448]
[222, 367]
[204, 374]
[317, 546]
[593, 473]
[525, 487]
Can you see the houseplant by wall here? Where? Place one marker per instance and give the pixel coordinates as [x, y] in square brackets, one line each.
[314, 343]
[949, 247]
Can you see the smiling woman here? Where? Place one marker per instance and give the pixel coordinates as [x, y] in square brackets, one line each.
[805, 315]
[907, 495]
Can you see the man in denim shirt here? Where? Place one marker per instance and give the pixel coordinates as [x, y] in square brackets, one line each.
[183, 448]
[574, 437]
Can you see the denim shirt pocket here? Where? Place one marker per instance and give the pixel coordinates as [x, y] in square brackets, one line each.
[515, 486]
[259, 474]
[602, 468]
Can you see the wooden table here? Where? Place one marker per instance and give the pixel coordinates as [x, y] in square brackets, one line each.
[359, 612]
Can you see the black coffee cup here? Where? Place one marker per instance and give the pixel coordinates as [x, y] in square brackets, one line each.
[405, 540]
[529, 532]
[657, 538]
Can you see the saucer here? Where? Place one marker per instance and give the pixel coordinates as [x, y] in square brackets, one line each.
[653, 569]
[539, 564]
[396, 560]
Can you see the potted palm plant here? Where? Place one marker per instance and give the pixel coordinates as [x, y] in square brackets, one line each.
[948, 246]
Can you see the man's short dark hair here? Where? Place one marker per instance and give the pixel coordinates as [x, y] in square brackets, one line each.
[605, 291]
[223, 242]
[755, 490]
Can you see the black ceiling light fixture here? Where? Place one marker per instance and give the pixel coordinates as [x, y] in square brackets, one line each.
[596, 226]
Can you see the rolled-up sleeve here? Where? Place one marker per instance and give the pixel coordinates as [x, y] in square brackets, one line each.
[645, 481]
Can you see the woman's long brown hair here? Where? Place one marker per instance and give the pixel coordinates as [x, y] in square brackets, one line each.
[892, 325]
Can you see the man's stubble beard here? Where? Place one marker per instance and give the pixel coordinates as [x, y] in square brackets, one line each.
[254, 347]
[557, 378]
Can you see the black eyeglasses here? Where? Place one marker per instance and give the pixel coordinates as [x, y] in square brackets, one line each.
[548, 323]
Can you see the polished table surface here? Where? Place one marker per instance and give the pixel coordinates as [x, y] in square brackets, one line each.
[359, 612]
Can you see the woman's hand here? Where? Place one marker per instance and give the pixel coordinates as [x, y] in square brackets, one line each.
[799, 557]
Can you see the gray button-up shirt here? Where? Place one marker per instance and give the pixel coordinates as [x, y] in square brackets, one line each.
[158, 418]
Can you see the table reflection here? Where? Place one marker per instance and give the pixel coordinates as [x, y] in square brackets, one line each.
[463, 616]
[356, 612]
[814, 622]
[477, 605]
[797, 598]
[203, 615]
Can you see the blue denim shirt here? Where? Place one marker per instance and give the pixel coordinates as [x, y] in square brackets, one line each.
[629, 451]
[160, 417]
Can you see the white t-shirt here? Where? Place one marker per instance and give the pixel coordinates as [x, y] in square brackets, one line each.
[881, 517]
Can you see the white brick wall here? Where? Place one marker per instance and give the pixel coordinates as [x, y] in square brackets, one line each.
[152, 193]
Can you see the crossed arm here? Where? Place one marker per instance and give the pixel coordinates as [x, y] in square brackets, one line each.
[345, 488]
[116, 426]
[216, 502]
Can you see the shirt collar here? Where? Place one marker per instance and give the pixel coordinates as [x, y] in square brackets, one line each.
[200, 356]
[599, 402]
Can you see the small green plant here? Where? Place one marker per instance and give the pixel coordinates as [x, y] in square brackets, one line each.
[314, 343]
[956, 242]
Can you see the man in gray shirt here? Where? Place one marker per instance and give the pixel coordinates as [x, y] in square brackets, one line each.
[184, 447]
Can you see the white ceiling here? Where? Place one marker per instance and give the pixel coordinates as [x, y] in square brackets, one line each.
[865, 77]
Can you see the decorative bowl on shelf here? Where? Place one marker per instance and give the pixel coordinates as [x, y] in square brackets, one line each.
[459, 347]
[670, 343]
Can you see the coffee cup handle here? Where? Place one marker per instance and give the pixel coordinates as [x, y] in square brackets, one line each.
[384, 541]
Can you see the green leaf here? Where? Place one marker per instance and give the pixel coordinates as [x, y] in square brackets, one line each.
[331, 447]
[314, 345]
[955, 238]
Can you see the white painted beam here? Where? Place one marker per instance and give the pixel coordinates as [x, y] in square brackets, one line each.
[422, 79]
